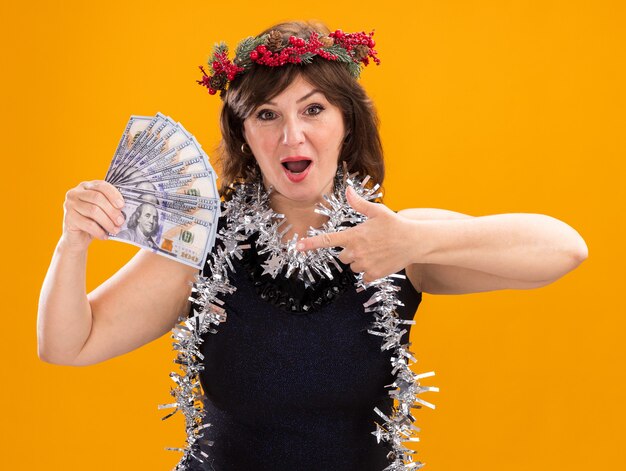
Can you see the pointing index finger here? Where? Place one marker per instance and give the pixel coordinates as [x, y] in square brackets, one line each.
[331, 239]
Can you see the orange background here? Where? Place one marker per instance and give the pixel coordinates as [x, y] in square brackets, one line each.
[486, 107]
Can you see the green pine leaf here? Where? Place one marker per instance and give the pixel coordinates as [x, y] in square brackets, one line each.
[245, 47]
[220, 48]
[307, 57]
[340, 52]
[354, 68]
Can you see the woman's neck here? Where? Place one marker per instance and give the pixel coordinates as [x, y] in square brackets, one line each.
[300, 215]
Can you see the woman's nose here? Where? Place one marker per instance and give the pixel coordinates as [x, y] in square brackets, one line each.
[293, 133]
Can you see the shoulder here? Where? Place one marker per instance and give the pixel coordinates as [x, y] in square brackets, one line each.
[414, 274]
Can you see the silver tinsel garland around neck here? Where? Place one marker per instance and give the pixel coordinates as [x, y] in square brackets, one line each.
[248, 212]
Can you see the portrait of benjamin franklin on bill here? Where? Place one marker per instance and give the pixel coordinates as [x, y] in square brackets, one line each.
[142, 225]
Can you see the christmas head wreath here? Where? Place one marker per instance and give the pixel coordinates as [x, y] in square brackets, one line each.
[353, 49]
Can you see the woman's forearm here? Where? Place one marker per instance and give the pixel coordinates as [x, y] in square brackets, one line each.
[64, 316]
[521, 246]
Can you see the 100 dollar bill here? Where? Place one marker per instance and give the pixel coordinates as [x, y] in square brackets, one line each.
[182, 237]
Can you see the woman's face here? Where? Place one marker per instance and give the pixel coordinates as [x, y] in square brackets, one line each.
[296, 138]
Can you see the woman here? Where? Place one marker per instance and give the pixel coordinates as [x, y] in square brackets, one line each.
[293, 379]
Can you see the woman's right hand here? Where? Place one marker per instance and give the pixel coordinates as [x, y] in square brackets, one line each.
[92, 210]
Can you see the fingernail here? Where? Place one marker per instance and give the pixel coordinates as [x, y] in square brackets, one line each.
[300, 246]
[120, 220]
[119, 203]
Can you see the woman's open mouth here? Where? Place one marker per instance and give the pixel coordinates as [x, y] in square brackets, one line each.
[296, 169]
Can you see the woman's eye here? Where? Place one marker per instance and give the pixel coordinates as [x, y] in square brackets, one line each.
[314, 110]
[265, 115]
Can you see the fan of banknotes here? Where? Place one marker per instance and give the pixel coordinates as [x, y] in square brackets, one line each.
[172, 204]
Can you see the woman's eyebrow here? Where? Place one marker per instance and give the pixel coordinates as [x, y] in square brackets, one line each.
[312, 92]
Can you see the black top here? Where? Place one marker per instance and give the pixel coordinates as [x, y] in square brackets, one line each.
[296, 390]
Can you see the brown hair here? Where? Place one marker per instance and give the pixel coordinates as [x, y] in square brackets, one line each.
[362, 149]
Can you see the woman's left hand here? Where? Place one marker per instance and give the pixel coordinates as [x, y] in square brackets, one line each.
[382, 245]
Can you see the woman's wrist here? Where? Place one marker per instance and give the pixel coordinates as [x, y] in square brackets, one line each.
[71, 248]
[417, 242]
